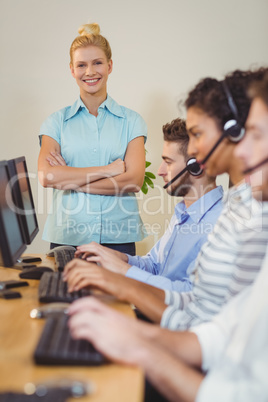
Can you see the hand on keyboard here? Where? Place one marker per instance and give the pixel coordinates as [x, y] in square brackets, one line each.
[52, 288]
[57, 347]
[81, 274]
[106, 257]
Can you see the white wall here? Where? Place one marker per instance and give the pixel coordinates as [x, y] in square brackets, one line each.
[160, 50]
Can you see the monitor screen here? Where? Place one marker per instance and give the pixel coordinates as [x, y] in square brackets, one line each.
[23, 199]
[12, 244]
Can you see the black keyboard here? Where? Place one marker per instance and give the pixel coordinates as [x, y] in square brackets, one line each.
[53, 289]
[56, 347]
[63, 256]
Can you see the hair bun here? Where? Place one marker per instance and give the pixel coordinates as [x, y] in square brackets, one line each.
[89, 29]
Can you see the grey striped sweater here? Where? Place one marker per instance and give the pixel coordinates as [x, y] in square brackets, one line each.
[227, 263]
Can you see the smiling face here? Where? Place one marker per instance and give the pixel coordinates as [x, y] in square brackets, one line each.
[254, 148]
[172, 163]
[91, 69]
[203, 133]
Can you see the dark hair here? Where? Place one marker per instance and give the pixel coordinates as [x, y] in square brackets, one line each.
[176, 132]
[209, 95]
[259, 89]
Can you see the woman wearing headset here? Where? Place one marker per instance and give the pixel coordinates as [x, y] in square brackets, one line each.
[92, 155]
[215, 124]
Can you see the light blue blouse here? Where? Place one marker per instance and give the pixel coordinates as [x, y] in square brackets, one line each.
[85, 140]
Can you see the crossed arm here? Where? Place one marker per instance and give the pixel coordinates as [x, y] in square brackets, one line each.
[116, 178]
[170, 360]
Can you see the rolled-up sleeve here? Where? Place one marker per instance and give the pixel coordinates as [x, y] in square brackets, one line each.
[212, 341]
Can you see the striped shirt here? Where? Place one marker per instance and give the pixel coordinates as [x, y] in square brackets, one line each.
[227, 263]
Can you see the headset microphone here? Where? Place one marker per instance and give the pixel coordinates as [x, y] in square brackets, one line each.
[191, 167]
[213, 148]
[251, 169]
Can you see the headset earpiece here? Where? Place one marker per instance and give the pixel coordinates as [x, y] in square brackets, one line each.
[232, 128]
[193, 167]
[233, 131]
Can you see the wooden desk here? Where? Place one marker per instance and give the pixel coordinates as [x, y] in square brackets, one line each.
[19, 335]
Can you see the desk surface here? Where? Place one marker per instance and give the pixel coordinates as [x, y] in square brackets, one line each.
[19, 335]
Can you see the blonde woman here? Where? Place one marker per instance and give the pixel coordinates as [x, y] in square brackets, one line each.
[92, 154]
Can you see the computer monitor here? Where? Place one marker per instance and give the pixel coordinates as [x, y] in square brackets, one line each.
[23, 199]
[12, 244]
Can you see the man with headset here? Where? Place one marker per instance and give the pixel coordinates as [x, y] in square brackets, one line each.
[232, 349]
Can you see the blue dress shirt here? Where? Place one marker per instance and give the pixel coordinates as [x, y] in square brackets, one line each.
[85, 140]
[170, 261]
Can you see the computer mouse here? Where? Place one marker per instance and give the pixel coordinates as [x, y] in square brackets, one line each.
[34, 272]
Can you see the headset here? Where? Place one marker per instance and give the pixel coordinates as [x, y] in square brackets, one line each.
[191, 167]
[232, 129]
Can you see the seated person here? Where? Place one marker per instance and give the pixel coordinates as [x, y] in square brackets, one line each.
[166, 265]
[222, 360]
[228, 262]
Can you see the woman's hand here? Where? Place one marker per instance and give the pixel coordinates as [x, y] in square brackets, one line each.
[55, 159]
[115, 168]
[148, 299]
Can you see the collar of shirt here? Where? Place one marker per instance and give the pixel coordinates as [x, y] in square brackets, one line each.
[199, 208]
[109, 104]
[239, 192]
[241, 195]
[112, 106]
